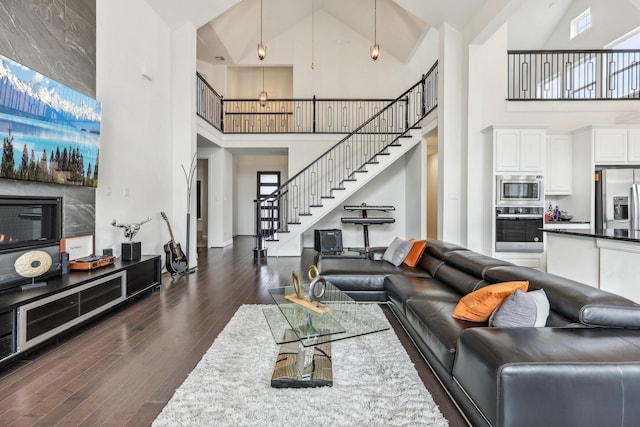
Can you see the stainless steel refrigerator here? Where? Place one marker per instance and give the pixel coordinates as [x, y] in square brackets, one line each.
[617, 204]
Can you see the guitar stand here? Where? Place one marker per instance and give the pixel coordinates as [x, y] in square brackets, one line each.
[365, 221]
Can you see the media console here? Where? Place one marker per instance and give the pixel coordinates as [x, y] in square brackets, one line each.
[34, 316]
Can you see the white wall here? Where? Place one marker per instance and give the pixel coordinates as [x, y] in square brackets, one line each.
[388, 188]
[304, 152]
[135, 170]
[246, 82]
[432, 196]
[220, 194]
[451, 218]
[215, 75]
[184, 144]
[301, 148]
[416, 191]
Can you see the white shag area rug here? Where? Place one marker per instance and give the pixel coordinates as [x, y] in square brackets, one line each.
[374, 384]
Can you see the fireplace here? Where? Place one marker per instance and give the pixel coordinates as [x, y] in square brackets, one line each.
[27, 224]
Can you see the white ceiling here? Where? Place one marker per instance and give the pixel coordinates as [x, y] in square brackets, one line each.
[231, 28]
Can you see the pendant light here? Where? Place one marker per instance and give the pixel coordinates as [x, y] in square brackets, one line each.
[313, 8]
[375, 48]
[262, 49]
[262, 96]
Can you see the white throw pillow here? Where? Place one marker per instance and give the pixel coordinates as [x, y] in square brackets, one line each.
[397, 251]
[522, 310]
[542, 307]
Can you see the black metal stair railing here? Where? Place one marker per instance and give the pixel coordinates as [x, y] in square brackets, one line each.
[558, 75]
[321, 179]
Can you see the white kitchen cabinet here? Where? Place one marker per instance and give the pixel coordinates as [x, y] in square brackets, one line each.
[519, 150]
[559, 165]
[507, 150]
[633, 146]
[532, 144]
[616, 146]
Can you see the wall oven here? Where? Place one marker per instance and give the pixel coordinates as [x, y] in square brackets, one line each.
[519, 229]
[523, 190]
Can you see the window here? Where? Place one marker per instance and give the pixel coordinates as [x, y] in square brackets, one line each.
[628, 41]
[581, 23]
[623, 68]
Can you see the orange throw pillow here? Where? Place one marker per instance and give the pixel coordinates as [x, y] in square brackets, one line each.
[479, 304]
[416, 252]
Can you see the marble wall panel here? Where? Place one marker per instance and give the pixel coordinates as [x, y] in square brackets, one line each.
[54, 37]
[85, 9]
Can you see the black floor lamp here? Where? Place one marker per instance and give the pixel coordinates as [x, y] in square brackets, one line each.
[189, 178]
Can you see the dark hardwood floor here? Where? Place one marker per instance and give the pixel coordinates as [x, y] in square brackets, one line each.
[121, 369]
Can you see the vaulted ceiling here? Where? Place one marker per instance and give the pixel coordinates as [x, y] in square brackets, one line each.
[230, 29]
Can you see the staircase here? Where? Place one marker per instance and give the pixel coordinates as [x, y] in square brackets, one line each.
[326, 183]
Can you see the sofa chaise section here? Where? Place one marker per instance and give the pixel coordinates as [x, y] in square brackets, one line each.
[551, 376]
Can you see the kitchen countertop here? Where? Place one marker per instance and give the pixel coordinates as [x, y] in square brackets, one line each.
[560, 223]
[573, 225]
[623, 234]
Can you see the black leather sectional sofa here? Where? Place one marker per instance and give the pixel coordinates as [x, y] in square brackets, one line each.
[582, 369]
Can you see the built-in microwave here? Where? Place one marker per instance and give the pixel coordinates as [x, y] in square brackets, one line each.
[521, 190]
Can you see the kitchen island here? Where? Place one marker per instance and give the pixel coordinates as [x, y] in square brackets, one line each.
[608, 259]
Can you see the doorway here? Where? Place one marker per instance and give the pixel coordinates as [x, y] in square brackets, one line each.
[267, 183]
[202, 211]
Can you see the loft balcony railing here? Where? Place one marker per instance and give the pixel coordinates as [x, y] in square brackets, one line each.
[560, 75]
[313, 115]
[208, 103]
[342, 163]
[298, 115]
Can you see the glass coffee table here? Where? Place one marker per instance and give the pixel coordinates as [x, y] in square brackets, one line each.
[305, 336]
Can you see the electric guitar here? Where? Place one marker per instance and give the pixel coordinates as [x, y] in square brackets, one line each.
[175, 260]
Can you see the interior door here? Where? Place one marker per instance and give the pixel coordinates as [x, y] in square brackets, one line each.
[268, 183]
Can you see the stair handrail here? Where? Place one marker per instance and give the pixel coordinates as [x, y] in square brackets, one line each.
[362, 126]
[339, 164]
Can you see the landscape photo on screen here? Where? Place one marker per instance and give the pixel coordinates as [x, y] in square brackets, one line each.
[49, 132]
